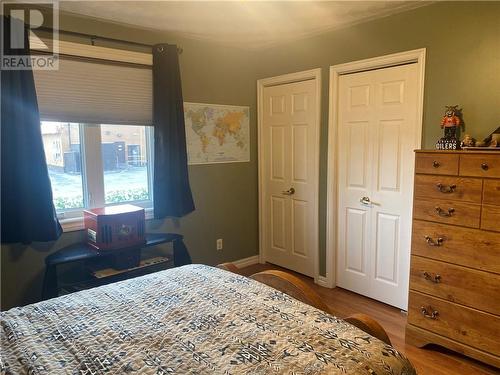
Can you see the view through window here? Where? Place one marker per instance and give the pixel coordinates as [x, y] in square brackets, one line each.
[124, 174]
[61, 142]
[125, 163]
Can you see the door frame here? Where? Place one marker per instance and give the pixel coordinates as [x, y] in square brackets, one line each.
[414, 56]
[312, 74]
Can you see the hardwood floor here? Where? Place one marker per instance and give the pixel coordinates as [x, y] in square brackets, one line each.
[431, 360]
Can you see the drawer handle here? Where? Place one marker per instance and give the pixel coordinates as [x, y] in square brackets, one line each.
[430, 241]
[429, 315]
[435, 279]
[436, 164]
[444, 213]
[446, 189]
[484, 166]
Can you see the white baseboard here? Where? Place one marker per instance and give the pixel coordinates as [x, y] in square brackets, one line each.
[322, 281]
[246, 261]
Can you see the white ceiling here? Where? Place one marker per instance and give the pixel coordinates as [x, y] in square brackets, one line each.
[248, 24]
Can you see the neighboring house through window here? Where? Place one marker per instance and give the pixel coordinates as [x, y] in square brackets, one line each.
[98, 165]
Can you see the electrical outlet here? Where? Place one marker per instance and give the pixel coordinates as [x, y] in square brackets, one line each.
[219, 244]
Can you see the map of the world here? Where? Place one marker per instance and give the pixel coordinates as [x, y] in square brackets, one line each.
[217, 133]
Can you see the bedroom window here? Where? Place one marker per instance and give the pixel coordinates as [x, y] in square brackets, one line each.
[96, 118]
[98, 165]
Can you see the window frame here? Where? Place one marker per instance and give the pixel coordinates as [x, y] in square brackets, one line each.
[92, 172]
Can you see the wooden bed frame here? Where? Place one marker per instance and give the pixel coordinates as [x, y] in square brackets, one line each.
[298, 289]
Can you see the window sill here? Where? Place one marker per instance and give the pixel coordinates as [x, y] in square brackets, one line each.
[76, 223]
[71, 225]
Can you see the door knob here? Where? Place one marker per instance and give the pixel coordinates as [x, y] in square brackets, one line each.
[365, 200]
[290, 191]
[368, 202]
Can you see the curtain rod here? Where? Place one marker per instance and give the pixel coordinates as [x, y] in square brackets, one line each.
[93, 38]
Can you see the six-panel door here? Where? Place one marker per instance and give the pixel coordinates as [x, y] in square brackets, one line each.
[377, 135]
[289, 186]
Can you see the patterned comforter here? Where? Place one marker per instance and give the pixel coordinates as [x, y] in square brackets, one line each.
[189, 320]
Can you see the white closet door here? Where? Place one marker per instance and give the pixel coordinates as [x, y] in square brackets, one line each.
[289, 165]
[377, 136]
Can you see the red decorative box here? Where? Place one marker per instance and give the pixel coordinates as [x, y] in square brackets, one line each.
[115, 227]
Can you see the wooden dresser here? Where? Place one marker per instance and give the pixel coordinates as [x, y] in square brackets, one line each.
[454, 298]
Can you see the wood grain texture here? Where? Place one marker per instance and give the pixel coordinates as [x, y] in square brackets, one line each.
[464, 214]
[436, 163]
[490, 218]
[472, 165]
[420, 337]
[291, 285]
[465, 189]
[467, 247]
[463, 324]
[457, 284]
[460, 308]
[368, 325]
[430, 360]
[491, 192]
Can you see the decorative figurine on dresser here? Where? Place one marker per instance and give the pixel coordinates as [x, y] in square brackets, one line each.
[454, 297]
[490, 143]
[450, 122]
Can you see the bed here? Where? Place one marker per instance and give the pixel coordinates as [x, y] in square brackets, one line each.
[193, 319]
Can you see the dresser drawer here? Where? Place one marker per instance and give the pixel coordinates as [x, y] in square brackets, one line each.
[490, 218]
[480, 165]
[463, 324]
[491, 192]
[435, 163]
[468, 247]
[447, 211]
[458, 284]
[445, 187]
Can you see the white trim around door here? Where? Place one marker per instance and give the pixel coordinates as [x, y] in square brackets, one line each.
[415, 56]
[313, 74]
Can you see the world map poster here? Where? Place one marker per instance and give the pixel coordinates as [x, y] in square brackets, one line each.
[217, 133]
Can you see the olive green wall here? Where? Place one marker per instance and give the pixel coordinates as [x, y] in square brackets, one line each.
[462, 40]
[225, 194]
[462, 67]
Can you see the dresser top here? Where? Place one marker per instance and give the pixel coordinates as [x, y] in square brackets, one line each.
[496, 152]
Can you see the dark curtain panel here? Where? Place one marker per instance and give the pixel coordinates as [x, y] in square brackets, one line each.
[28, 213]
[171, 190]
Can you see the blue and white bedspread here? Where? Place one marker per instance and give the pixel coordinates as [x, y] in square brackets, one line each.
[188, 320]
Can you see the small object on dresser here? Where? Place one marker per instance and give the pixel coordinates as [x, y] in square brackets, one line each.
[451, 120]
[468, 141]
[495, 139]
[480, 144]
[490, 143]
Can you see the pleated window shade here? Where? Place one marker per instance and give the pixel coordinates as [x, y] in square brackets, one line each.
[95, 92]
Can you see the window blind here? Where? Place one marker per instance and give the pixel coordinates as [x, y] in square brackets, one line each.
[88, 91]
